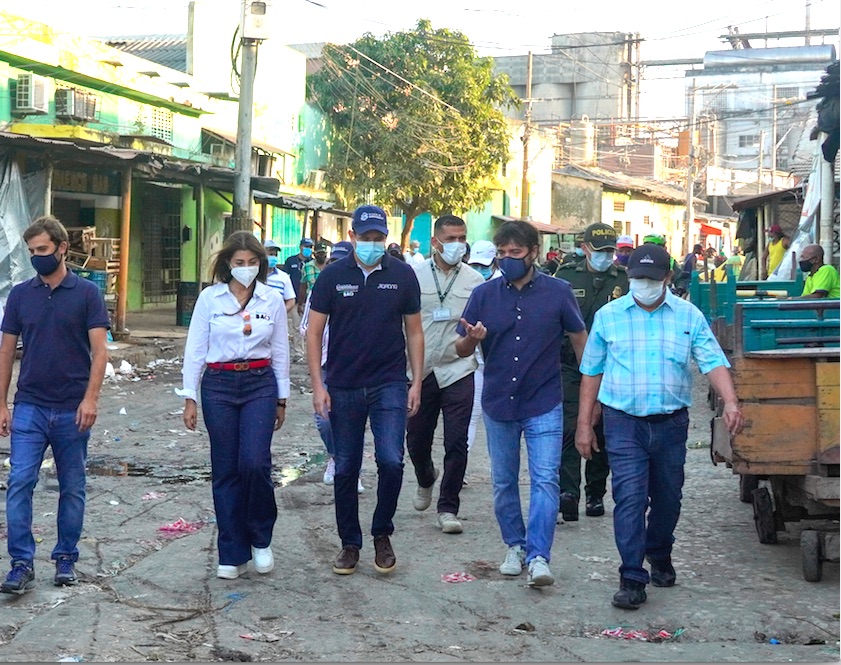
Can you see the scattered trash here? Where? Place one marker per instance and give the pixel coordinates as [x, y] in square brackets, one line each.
[7, 462]
[455, 578]
[109, 371]
[71, 659]
[597, 577]
[233, 599]
[642, 635]
[114, 502]
[180, 526]
[592, 559]
[123, 411]
[698, 445]
[759, 637]
[48, 463]
[117, 439]
[774, 641]
[38, 539]
[266, 637]
[126, 368]
[525, 627]
[153, 495]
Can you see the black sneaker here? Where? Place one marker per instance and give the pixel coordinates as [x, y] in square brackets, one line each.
[662, 572]
[569, 507]
[65, 571]
[630, 596]
[21, 578]
[595, 506]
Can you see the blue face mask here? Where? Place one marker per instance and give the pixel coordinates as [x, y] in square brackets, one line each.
[369, 252]
[272, 262]
[513, 269]
[600, 261]
[484, 271]
[307, 252]
[622, 259]
[45, 265]
[579, 251]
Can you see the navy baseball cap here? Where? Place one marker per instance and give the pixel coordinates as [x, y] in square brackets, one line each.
[341, 249]
[306, 242]
[369, 218]
[649, 261]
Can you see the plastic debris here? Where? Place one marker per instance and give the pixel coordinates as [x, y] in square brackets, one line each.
[125, 367]
[48, 463]
[109, 371]
[774, 641]
[525, 627]
[153, 495]
[266, 637]
[455, 578]
[113, 502]
[123, 411]
[597, 577]
[180, 526]
[642, 635]
[71, 659]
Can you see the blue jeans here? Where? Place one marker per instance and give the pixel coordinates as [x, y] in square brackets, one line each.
[646, 460]
[350, 410]
[239, 410]
[33, 429]
[543, 436]
[325, 431]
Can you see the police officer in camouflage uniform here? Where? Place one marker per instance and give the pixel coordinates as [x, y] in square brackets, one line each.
[595, 281]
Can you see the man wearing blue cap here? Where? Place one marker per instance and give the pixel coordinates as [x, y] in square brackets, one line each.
[294, 266]
[370, 298]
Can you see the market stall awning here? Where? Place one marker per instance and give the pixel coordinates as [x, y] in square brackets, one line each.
[292, 202]
[707, 229]
[541, 227]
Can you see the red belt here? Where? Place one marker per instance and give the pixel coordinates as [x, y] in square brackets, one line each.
[241, 366]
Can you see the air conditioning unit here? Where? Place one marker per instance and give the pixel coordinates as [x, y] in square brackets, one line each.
[314, 179]
[65, 103]
[31, 95]
[86, 107]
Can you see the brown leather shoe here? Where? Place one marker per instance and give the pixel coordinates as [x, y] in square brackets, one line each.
[384, 559]
[347, 560]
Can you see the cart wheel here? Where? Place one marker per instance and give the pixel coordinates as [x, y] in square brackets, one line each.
[810, 553]
[747, 484]
[763, 516]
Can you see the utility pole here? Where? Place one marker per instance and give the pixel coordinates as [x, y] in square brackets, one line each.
[690, 176]
[761, 161]
[773, 136]
[524, 204]
[242, 185]
[808, 21]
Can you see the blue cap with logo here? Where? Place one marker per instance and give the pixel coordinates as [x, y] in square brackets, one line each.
[340, 250]
[369, 218]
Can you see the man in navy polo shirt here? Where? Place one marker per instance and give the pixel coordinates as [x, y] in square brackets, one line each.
[293, 266]
[520, 321]
[64, 324]
[370, 297]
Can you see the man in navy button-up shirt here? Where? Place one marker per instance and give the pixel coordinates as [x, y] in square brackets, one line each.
[520, 321]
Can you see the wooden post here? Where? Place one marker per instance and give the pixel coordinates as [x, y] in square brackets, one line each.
[199, 233]
[120, 331]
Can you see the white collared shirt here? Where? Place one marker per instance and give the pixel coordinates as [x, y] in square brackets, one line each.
[279, 280]
[214, 337]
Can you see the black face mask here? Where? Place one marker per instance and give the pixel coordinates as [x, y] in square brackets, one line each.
[806, 266]
[45, 265]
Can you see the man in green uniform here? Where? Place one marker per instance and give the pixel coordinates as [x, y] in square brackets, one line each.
[595, 281]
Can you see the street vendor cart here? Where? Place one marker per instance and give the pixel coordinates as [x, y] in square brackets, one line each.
[785, 357]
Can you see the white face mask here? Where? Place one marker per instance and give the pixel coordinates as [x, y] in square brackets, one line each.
[600, 261]
[646, 291]
[245, 275]
[452, 252]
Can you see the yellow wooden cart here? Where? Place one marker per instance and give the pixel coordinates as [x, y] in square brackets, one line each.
[785, 359]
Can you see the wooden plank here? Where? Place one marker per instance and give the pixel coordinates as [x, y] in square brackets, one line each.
[826, 374]
[757, 379]
[771, 469]
[811, 352]
[777, 433]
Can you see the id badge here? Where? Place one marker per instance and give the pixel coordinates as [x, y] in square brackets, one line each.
[441, 314]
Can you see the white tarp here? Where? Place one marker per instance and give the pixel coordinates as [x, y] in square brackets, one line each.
[17, 200]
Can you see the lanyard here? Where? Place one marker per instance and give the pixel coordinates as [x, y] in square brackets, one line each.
[443, 296]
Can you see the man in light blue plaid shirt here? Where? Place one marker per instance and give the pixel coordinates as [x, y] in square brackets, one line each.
[637, 365]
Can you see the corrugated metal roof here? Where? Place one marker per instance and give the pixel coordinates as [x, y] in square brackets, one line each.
[166, 50]
[659, 191]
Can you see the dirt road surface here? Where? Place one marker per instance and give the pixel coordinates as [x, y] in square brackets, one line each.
[150, 595]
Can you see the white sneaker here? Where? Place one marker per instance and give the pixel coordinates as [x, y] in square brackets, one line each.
[423, 495]
[359, 487]
[449, 523]
[263, 559]
[539, 573]
[330, 472]
[514, 559]
[231, 572]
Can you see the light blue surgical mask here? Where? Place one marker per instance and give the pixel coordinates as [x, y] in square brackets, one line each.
[272, 262]
[369, 252]
[307, 252]
[579, 251]
[600, 261]
[484, 271]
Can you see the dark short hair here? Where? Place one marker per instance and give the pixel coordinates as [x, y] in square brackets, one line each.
[235, 242]
[519, 232]
[49, 225]
[448, 220]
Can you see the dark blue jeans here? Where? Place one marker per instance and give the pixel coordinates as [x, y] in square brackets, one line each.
[646, 460]
[33, 429]
[239, 410]
[349, 411]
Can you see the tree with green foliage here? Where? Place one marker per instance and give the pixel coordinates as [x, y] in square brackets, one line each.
[415, 121]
